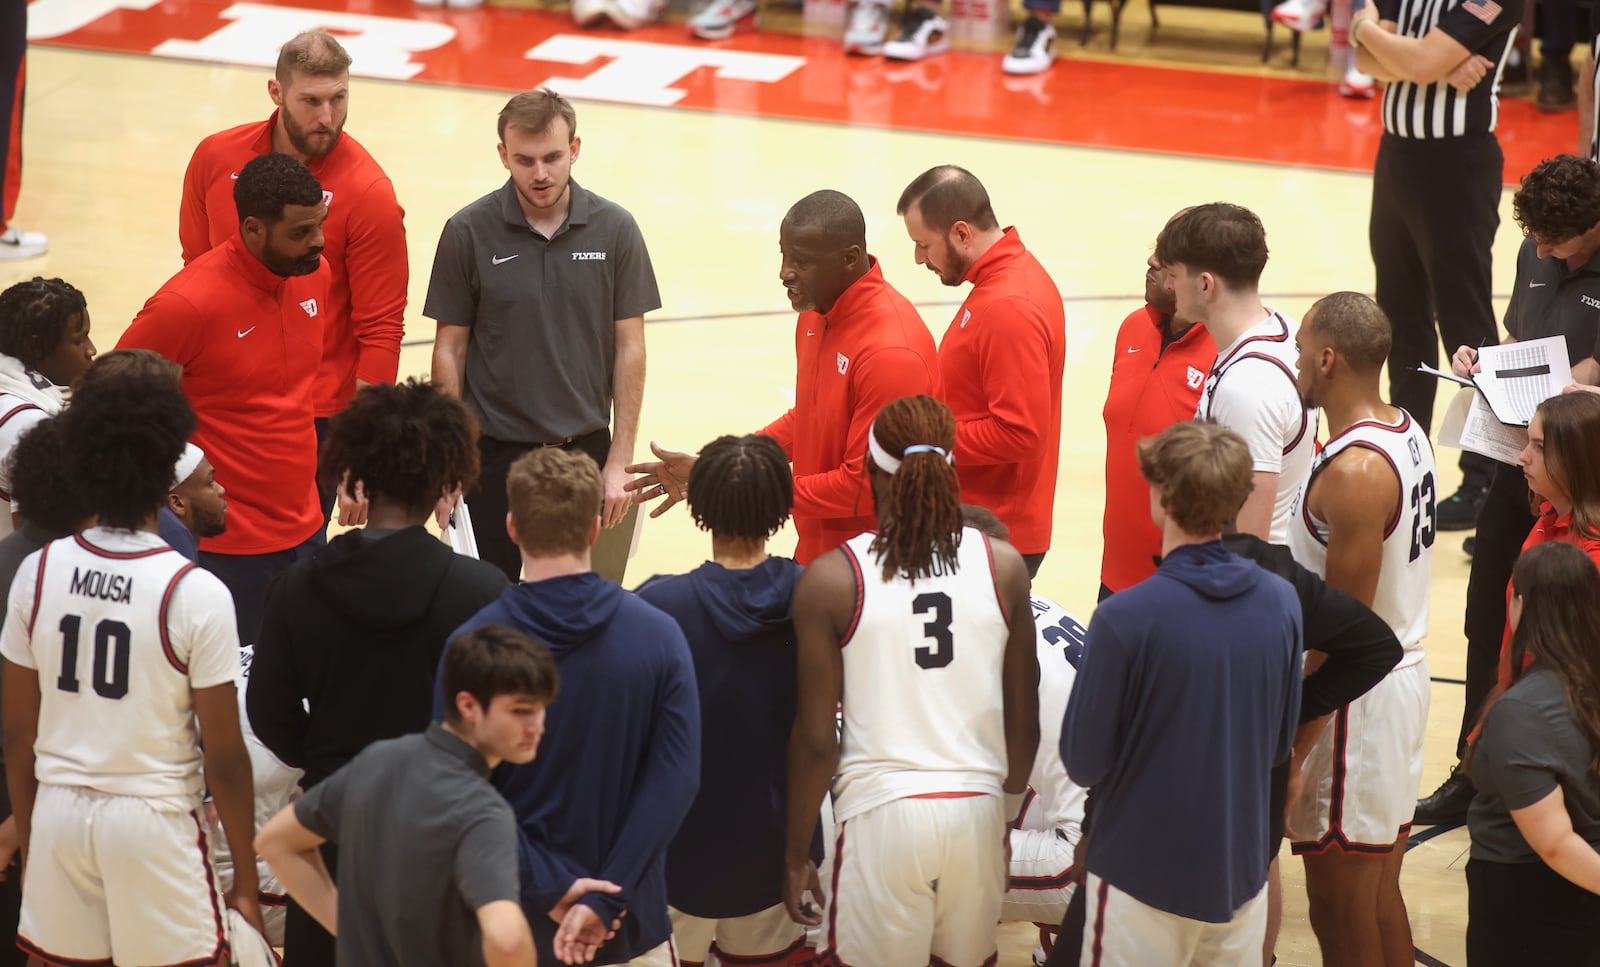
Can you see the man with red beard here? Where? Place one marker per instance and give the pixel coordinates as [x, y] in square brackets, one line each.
[364, 236]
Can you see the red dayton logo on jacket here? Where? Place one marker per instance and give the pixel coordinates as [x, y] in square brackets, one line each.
[844, 363]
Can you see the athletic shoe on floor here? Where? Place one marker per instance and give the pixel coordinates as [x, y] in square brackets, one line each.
[1459, 511]
[1357, 85]
[868, 28]
[633, 14]
[1035, 50]
[16, 244]
[1448, 803]
[1469, 545]
[588, 13]
[1301, 15]
[716, 22]
[922, 33]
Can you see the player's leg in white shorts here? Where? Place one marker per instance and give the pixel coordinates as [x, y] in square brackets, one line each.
[1361, 778]
[1122, 932]
[764, 939]
[113, 879]
[662, 955]
[914, 879]
[1040, 883]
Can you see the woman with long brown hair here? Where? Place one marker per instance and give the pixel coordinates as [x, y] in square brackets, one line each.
[1535, 865]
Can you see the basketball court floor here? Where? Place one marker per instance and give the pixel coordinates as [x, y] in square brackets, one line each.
[708, 145]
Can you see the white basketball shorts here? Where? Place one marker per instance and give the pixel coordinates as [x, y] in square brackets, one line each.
[1361, 778]
[916, 879]
[112, 879]
[765, 939]
[1040, 884]
[1120, 931]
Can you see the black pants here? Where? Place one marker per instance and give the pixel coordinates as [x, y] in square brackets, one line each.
[488, 503]
[1519, 914]
[305, 943]
[13, 74]
[249, 575]
[1032, 562]
[326, 492]
[1558, 33]
[10, 910]
[1503, 524]
[1435, 210]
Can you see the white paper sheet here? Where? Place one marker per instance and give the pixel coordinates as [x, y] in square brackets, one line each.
[1516, 377]
[1469, 424]
[459, 534]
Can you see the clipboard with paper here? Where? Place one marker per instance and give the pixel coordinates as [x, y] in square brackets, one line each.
[1490, 415]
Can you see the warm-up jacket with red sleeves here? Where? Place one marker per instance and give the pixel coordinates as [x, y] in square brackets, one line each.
[364, 244]
[871, 349]
[1000, 364]
[248, 341]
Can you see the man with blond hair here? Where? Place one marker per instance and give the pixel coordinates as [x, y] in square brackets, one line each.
[620, 762]
[539, 289]
[1190, 680]
[364, 238]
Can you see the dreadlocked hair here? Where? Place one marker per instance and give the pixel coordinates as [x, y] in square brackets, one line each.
[741, 487]
[410, 443]
[919, 505]
[34, 316]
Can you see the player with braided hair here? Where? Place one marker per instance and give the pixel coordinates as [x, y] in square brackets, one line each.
[725, 864]
[923, 630]
[350, 638]
[44, 345]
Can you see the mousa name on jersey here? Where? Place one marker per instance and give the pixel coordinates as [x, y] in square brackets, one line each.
[92, 583]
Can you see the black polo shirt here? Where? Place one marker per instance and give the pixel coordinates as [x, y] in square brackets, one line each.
[543, 311]
[424, 841]
[1548, 300]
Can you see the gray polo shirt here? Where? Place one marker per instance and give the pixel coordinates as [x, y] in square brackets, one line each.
[543, 311]
[424, 841]
[1529, 745]
[1547, 300]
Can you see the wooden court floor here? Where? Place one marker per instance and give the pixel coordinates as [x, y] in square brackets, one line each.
[108, 137]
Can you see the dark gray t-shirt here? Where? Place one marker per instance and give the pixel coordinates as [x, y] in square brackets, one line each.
[543, 312]
[424, 841]
[1547, 300]
[1529, 745]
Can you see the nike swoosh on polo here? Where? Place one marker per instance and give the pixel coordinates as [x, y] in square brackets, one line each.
[246, 332]
[497, 260]
[1535, 285]
[1133, 349]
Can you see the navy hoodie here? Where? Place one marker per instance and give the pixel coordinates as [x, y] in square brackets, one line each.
[727, 859]
[1189, 692]
[620, 759]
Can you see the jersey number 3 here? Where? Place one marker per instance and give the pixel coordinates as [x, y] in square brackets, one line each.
[1422, 523]
[937, 628]
[112, 641]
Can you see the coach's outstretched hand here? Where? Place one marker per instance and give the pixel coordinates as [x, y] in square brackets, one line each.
[798, 882]
[667, 476]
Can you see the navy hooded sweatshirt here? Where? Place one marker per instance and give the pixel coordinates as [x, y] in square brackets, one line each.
[619, 762]
[1189, 692]
[727, 859]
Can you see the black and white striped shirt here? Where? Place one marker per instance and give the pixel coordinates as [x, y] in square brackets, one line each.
[1438, 110]
[1594, 51]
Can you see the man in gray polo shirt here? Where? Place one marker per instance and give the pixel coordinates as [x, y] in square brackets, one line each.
[539, 289]
[1556, 293]
[427, 849]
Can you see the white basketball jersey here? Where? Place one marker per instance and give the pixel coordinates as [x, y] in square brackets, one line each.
[121, 629]
[1252, 390]
[1061, 638]
[1407, 567]
[923, 709]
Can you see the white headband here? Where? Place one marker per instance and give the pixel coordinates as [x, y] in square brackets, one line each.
[187, 464]
[889, 464]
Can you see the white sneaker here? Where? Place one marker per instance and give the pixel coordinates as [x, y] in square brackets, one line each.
[429, 3]
[16, 244]
[1301, 15]
[633, 14]
[716, 22]
[868, 28]
[1357, 85]
[463, 4]
[922, 33]
[587, 13]
[1035, 50]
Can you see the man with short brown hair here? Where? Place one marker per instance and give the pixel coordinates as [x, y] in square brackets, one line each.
[364, 238]
[539, 289]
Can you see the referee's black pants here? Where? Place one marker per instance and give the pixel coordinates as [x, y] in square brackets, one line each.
[1435, 210]
[1503, 526]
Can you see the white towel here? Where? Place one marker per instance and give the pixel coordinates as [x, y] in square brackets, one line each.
[17, 380]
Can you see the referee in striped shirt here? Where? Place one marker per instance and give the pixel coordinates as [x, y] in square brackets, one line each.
[1436, 191]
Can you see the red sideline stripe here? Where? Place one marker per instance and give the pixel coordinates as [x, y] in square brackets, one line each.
[778, 959]
[948, 795]
[34, 950]
[166, 640]
[38, 586]
[1054, 881]
[1100, 922]
[220, 954]
[861, 594]
[994, 580]
[120, 555]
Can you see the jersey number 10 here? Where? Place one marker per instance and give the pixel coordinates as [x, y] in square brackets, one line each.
[112, 641]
